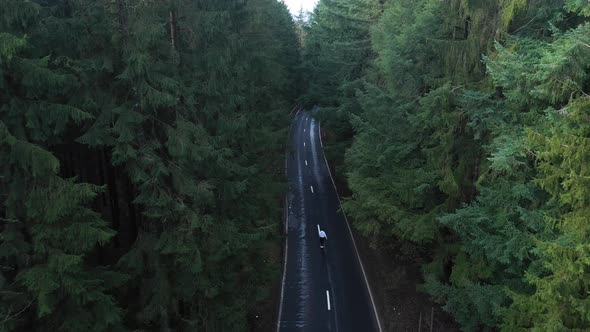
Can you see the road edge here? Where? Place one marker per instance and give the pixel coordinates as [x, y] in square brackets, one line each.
[286, 225]
[375, 313]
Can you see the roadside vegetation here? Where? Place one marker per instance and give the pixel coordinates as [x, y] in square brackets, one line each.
[141, 149]
[462, 129]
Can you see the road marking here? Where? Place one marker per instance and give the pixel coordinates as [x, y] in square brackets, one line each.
[303, 144]
[318, 230]
[358, 257]
[304, 129]
[311, 189]
[284, 276]
[306, 163]
[328, 298]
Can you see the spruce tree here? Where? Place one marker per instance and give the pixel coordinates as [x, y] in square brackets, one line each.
[185, 103]
[48, 227]
[469, 144]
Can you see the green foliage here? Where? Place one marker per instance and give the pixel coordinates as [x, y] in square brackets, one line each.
[470, 142]
[48, 229]
[559, 297]
[414, 126]
[188, 101]
[579, 6]
[336, 55]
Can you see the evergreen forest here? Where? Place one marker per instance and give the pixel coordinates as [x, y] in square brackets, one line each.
[462, 128]
[142, 147]
[141, 162]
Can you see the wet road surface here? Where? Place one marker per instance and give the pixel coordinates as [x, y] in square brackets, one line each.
[323, 290]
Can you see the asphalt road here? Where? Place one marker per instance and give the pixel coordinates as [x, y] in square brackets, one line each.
[323, 290]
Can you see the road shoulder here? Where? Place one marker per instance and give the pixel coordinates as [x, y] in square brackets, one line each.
[394, 281]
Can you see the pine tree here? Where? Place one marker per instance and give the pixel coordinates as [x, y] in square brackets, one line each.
[479, 164]
[556, 300]
[336, 56]
[48, 227]
[186, 104]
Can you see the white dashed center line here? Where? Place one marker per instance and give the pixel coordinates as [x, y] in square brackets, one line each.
[328, 299]
[311, 189]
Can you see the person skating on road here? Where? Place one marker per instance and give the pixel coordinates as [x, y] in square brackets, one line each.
[323, 238]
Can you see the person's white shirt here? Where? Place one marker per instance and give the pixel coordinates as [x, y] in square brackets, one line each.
[323, 234]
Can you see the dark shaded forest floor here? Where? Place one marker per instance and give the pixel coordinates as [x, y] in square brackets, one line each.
[394, 281]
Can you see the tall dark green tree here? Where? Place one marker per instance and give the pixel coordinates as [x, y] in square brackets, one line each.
[141, 148]
[469, 144]
[336, 57]
[48, 227]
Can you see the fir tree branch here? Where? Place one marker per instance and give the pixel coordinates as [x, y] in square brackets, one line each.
[455, 88]
[578, 88]
[524, 26]
[5, 292]
[10, 220]
[10, 317]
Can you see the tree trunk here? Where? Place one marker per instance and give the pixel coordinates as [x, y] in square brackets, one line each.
[173, 30]
[123, 24]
